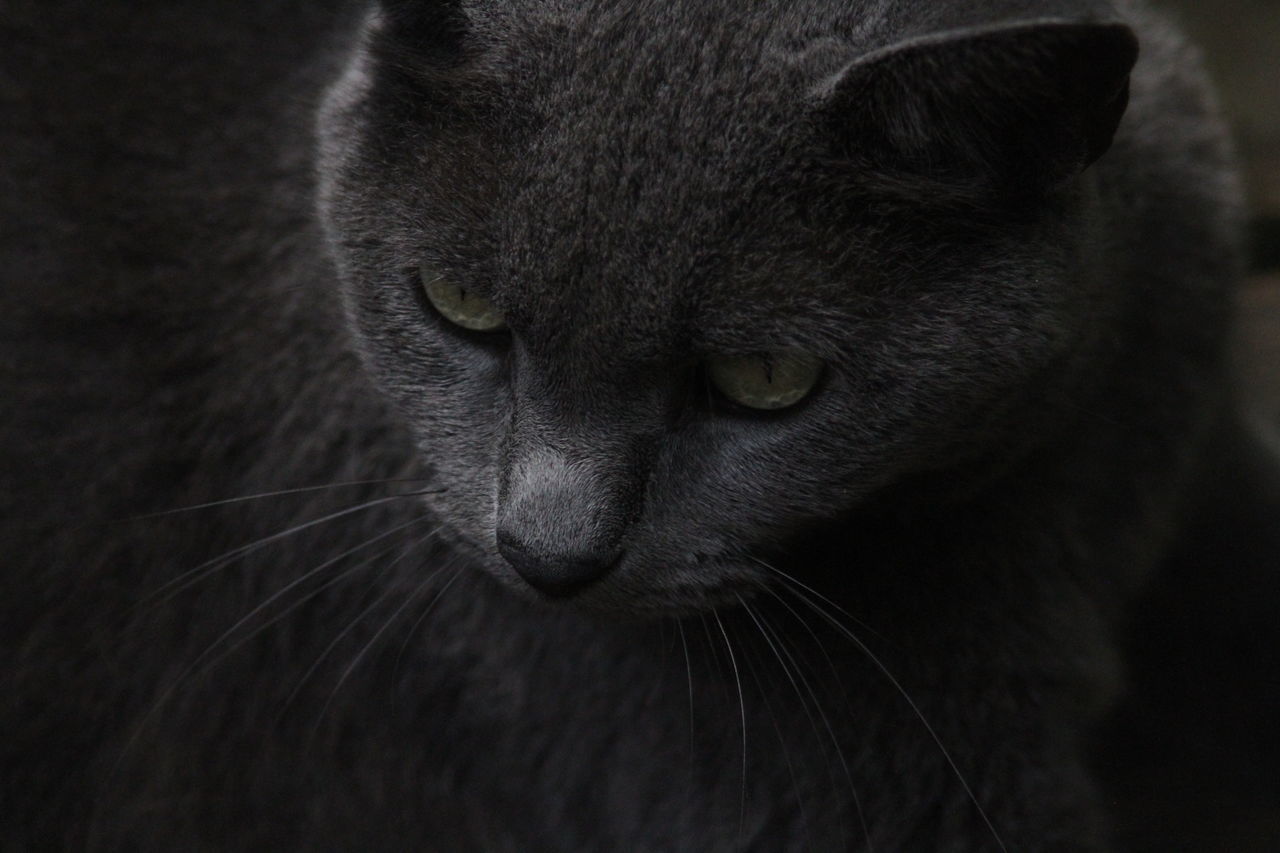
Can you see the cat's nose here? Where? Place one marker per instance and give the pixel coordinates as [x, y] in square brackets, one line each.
[558, 575]
[560, 524]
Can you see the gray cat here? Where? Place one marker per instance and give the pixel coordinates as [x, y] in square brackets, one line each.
[546, 425]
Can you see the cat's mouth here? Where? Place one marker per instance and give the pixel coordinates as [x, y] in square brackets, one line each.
[634, 587]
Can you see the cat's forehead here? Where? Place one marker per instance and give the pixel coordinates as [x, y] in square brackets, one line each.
[649, 170]
[644, 250]
[649, 157]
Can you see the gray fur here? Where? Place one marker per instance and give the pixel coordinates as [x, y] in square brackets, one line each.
[211, 259]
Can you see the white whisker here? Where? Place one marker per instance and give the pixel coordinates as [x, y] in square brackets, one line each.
[353, 623]
[782, 741]
[265, 495]
[409, 599]
[688, 667]
[302, 579]
[955, 769]
[804, 586]
[779, 648]
[192, 576]
[417, 623]
[742, 709]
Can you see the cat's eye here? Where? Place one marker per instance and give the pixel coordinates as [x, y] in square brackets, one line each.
[768, 381]
[460, 306]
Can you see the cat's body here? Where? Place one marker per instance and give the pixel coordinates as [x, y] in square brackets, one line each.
[176, 334]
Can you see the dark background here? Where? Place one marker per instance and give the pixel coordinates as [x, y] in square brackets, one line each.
[1196, 754]
[1241, 41]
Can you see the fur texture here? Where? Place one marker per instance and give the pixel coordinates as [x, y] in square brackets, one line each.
[213, 227]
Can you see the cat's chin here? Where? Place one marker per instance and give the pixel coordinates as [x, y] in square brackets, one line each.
[630, 594]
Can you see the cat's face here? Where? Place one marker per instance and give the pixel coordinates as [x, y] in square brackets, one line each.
[650, 312]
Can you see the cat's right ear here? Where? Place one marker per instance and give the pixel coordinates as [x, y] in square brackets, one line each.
[1012, 110]
[424, 38]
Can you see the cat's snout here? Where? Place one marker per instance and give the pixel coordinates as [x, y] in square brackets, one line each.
[559, 524]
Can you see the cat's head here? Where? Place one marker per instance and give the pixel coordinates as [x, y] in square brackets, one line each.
[661, 286]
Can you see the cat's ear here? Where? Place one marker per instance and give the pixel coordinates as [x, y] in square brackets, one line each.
[1016, 108]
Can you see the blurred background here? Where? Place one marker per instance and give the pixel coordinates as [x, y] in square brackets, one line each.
[1241, 42]
[1199, 753]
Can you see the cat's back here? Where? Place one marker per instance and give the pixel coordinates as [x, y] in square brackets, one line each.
[154, 236]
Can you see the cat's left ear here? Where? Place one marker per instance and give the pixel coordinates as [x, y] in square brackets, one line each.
[1018, 108]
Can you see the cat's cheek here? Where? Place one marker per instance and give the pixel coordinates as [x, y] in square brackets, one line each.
[453, 399]
[458, 429]
[734, 486]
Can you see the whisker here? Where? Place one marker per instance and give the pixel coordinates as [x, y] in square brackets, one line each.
[742, 709]
[804, 586]
[417, 623]
[264, 495]
[666, 645]
[897, 685]
[431, 604]
[353, 623]
[191, 576]
[711, 647]
[200, 665]
[360, 617]
[771, 635]
[688, 668]
[804, 623]
[303, 578]
[409, 599]
[782, 741]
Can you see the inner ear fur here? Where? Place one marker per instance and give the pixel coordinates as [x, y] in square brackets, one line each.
[433, 32]
[430, 49]
[1017, 109]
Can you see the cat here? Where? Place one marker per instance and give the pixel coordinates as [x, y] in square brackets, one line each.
[542, 425]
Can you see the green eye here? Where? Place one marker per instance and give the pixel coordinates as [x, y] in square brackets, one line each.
[459, 306]
[768, 381]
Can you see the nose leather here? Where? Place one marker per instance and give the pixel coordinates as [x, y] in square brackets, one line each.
[559, 575]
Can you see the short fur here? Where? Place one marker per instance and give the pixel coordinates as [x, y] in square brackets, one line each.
[212, 230]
